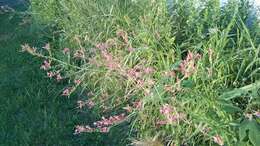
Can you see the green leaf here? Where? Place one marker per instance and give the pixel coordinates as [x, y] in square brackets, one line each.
[254, 133]
[231, 108]
[253, 130]
[243, 130]
[243, 144]
[187, 83]
[240, 91]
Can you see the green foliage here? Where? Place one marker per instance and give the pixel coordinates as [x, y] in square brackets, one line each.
[205, 61]
[249, 131]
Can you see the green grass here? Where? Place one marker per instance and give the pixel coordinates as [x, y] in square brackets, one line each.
[214, 92]
[32, 110]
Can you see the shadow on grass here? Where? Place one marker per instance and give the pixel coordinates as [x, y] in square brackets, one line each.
[32, 112]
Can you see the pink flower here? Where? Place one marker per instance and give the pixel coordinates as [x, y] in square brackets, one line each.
[90, 104]
[105, 122]
[77, 82]
[131, 49]
[47, 46]
[137, 104]
[149, 70]
[134, 73]
[257, 114]
[171, 114]
[128, 108]
[102, 46]
[66, 50]
[104, 130]
[102, 126]
[109, 61]
[46, 65]
[171, 74]
[166, 109]
[50, 74]
[67, 92]
[58, 77]
[188, 66]
[80, 129]
[172, 118]
[217, 139]
[123, 35]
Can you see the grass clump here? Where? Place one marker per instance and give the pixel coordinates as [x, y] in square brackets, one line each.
[182, 76]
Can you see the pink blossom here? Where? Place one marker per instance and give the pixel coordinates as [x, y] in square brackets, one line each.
[123, 35]
[90, 104]
[104, 129]
[46, 65]
[140, 83]
[131, 49]
[102, 46]
[67, 92]
[58, 77]
[137, 104]
[47, 46]
[134, 73]
[66, 50]
[105, 122]
[188, 66]
[149, 70]
[109, 61]
[171, 74]
[80, 129]
[128, 108]
[77, 82]
[257, 114]
[217, 139]
[171, 114]
[102, 126]
[50, 74]
[166, 109]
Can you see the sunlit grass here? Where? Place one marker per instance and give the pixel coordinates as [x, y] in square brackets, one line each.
[198, 53]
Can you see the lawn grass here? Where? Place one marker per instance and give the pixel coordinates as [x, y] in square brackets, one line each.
[32, 110]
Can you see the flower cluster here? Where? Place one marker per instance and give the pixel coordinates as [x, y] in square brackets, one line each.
[81, 129]
[257, 114]
[137, 105]
[170, 114]
[188, 66]
[218, 140]
[89, 103]
[105, 122]
[46, 65]
[102, 126]
[67, 91]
